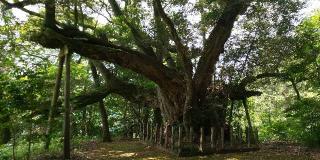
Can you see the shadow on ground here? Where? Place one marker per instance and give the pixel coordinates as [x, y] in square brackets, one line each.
[133, 150]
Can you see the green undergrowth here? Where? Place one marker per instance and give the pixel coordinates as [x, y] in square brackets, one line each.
[37, 148]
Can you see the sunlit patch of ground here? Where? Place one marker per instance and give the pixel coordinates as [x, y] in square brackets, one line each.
[125, 150]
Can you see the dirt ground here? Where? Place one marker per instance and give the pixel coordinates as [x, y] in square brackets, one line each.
[138, 151]
[134, 150]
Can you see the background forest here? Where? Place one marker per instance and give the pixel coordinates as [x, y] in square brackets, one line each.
[273, 47]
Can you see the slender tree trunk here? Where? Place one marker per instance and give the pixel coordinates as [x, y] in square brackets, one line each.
[89, 122]
[230, 123]
[29, 142]
[84, 124]
[54, 100]
[294, 85]
[106, 137]
[14, 145]
[66, 142]
[231, 113]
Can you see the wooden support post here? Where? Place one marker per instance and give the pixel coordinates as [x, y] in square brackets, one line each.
[231, 136]
[249, 133]
[147, 136]
[212, 138]
[248, 136]
[155, 133]
[67, 107]
[179, 138]
[140, 131]
[172, 137]
[256, 136]
[143, 131]
[160, 135]
[54, 100]
[151, 133]
[240, 135]
[166, 140]
[201, 139]
[222, 137]
[191, 134]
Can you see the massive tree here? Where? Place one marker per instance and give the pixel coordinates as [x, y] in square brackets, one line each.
[164, 52]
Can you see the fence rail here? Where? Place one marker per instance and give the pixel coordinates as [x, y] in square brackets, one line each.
[198, 140]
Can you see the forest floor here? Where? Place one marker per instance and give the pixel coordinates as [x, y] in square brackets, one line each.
[134, 150]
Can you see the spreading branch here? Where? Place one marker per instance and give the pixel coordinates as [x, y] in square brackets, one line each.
[214, 45]
[162, 39]
[21, 5]
[130, 92]
[182, 49]
[140, 37]
[250, 79]
[94, 49]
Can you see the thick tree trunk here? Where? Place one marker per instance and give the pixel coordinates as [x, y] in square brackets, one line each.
[208, 110]
[66, 129]
[171, 103]
[54, 100]
[106, 137]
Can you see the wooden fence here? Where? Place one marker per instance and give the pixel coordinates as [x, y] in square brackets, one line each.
[198, 140]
